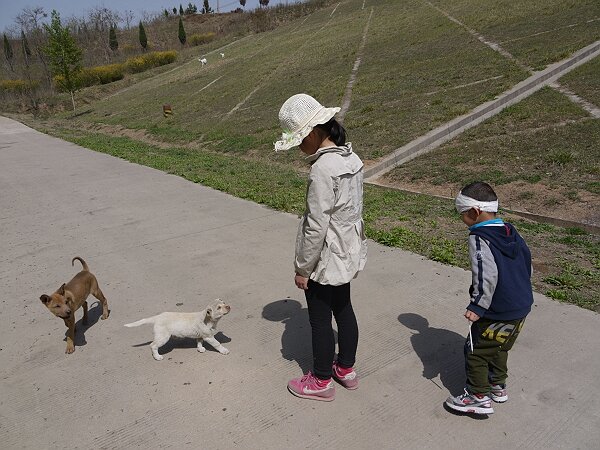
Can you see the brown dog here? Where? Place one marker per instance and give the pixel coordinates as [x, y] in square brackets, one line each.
[72, 295]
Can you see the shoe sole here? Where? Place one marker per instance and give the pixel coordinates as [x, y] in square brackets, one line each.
[502, 399]
[350, 388]
[470, 409]
[312, 397]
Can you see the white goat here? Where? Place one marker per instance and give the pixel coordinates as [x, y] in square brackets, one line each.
[203, 61]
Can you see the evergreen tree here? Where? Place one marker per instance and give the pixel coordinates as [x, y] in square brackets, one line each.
[8, 52]
[112, 39]
[182, 36]
[174, 10]
[26, 49]
[180, 10]
[206, 9]
[263, 2]
[142, 36]
[65, 57]
[166, 13]
[243, 3]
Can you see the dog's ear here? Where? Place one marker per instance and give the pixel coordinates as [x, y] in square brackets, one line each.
[61, 290]
[45, 299]
[209, 311]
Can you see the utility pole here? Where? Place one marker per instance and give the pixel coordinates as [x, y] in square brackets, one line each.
[218, 9]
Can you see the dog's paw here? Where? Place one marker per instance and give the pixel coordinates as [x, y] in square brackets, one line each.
[223, 351]
[69, 350]
[201, 349]
[158, 357]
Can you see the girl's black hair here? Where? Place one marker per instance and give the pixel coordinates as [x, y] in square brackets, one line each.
[334, 130]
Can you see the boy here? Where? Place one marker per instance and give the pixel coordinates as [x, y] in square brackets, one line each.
[501, 298]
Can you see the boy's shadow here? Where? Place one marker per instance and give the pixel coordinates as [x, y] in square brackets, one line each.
[296, 340]
[439, 350]
[94, 314]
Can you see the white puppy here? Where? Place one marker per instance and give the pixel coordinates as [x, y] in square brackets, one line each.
[201, 326]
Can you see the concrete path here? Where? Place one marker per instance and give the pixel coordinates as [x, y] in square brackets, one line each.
[157, 243]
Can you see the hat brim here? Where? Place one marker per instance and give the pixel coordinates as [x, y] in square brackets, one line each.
[294, 138]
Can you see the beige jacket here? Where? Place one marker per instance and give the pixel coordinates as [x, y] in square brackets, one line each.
[331, 247]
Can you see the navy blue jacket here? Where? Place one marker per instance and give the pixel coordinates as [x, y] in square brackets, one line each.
[501, 268]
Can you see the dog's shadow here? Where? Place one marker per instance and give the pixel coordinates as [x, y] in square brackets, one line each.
[441, 351]
[177, 342]
[296, 338]
[94, 314]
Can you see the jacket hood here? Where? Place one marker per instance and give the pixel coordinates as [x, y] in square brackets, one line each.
[504, 238]
[344, 150]
[351, 162]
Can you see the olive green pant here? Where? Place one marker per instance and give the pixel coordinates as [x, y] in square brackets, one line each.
[486, 363]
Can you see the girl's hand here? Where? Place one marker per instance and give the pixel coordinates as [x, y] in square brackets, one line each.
[301, 282]
[470, 315]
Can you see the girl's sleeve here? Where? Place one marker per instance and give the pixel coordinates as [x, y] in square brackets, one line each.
[320, 200]
[484, 275]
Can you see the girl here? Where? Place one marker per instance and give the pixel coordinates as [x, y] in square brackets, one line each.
[331, 246]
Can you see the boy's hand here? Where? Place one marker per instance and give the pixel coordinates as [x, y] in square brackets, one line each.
[301, 282]
[470, 315]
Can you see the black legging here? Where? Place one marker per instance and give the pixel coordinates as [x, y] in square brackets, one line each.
[322, 300]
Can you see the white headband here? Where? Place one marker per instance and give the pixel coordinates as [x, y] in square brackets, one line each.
[464, 203]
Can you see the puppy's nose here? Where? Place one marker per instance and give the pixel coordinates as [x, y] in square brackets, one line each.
[228, 308]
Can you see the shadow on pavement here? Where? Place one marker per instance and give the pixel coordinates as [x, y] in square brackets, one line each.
[94, 314]
[439, 351]
[296, 337]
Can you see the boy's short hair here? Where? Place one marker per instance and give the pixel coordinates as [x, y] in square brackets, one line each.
[480, 191]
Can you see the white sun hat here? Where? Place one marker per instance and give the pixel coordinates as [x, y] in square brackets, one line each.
[298, 116]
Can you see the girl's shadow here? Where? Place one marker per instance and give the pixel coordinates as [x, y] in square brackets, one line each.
[440, 351]
[296, 338]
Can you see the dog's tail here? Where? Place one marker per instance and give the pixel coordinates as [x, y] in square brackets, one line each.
[85, 266]
[140, 322]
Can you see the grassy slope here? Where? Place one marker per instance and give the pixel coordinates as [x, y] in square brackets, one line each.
[419, 223]
[402, 91]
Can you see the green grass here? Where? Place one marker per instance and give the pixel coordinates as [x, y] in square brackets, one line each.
[567, 260]
[536, 143]
[515, 25]
[585, 81]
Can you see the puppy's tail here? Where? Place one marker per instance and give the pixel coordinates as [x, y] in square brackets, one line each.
[140, 322]
[85, 266]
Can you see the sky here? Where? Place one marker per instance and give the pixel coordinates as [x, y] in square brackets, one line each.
[9, 9]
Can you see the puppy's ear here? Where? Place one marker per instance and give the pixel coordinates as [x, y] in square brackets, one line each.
[209, 311]
[45, 298]
[61, 290]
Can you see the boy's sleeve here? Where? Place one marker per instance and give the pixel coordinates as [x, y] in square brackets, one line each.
[320, 200]
[484, 275]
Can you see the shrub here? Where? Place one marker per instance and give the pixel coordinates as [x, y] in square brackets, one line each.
[17, 86]
[149, 60]
[199, 39]
[90, 76]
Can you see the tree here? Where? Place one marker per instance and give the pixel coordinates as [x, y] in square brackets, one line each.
[8, 52]
[263, 2]
[65, 57]
[26, 49]
[142, 36]
[166, 13]
[174, 10]
[206, 9]
[112, 39]
[191, 9]
[30, 90]
[243, 3]
[182, 36]
[30, 20]
[180, 10]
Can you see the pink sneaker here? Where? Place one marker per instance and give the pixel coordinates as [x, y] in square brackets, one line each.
[346, 377]
[311, 387]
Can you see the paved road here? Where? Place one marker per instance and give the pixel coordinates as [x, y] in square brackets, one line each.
[157, 242]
